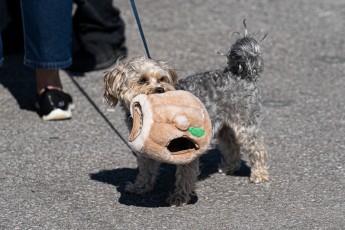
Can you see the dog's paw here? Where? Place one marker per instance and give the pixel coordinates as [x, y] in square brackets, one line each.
[137, 189]
[177, 199]
[225, 169]
[259, 176]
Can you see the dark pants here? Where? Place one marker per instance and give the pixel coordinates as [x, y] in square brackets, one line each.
[46, 27]
[97, 30]
[99, 35]
[98, 21]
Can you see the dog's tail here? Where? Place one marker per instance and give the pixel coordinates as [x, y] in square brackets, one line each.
[245, 57]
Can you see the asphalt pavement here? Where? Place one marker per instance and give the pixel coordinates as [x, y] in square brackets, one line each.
[71, 174]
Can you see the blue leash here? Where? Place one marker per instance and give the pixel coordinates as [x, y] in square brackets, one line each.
[140, 28]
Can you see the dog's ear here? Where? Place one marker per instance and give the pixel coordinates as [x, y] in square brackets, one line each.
[112, 84]
[170, 71]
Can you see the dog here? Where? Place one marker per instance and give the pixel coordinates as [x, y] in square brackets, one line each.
[231, 97]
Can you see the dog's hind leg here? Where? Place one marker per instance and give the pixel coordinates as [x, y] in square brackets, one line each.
[230, 150]
[186, 176]
[145, 181]
[255, 146]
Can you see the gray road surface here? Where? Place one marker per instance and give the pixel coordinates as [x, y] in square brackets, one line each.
[71, 174]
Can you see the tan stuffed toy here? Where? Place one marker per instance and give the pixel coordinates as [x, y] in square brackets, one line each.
[172, 127]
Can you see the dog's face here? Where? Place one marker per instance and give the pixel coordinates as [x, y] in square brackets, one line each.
[137, 76]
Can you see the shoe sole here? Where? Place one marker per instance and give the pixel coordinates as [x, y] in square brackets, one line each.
[59, 114]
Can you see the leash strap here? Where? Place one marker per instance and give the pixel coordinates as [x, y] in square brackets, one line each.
[140, 28]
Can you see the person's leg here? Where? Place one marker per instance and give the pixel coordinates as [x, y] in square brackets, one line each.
[3, 24]
[47, 42]
[12, 28]
[1, 55]
[99, 35]
[47, 33]
[99, 20]
[47, 79]
[47, 39]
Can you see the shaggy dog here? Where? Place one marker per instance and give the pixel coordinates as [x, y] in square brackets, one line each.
[231, 97]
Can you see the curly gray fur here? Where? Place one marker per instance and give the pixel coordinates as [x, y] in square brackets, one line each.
[225, 96]
[233, 101]
[232, 92]
[245, 59]
[231, 97]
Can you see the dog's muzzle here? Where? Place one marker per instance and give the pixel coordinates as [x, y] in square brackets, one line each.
[159, 90]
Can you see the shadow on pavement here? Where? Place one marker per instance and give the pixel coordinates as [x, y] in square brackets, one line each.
[20, 81]
[121, 176]
[165, 181]
[209, 165]
[94, 105]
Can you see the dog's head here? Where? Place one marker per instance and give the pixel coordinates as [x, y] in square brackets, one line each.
[137, 76]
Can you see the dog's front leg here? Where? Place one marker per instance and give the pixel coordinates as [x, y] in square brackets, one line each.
[186, 176]
[145, 181]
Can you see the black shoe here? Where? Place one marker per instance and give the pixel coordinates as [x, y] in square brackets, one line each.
[54, 104]
[96, 56]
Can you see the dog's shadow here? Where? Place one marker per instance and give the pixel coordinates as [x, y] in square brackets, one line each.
[165, 181]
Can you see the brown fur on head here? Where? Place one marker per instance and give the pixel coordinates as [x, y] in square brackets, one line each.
[137, 76]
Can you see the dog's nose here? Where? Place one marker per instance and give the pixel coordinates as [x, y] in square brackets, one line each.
[159, 90]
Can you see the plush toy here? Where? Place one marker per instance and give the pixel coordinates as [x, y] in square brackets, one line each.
[172, 127]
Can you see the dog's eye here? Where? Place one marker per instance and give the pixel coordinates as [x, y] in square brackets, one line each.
[164, 79]
[142, 81]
